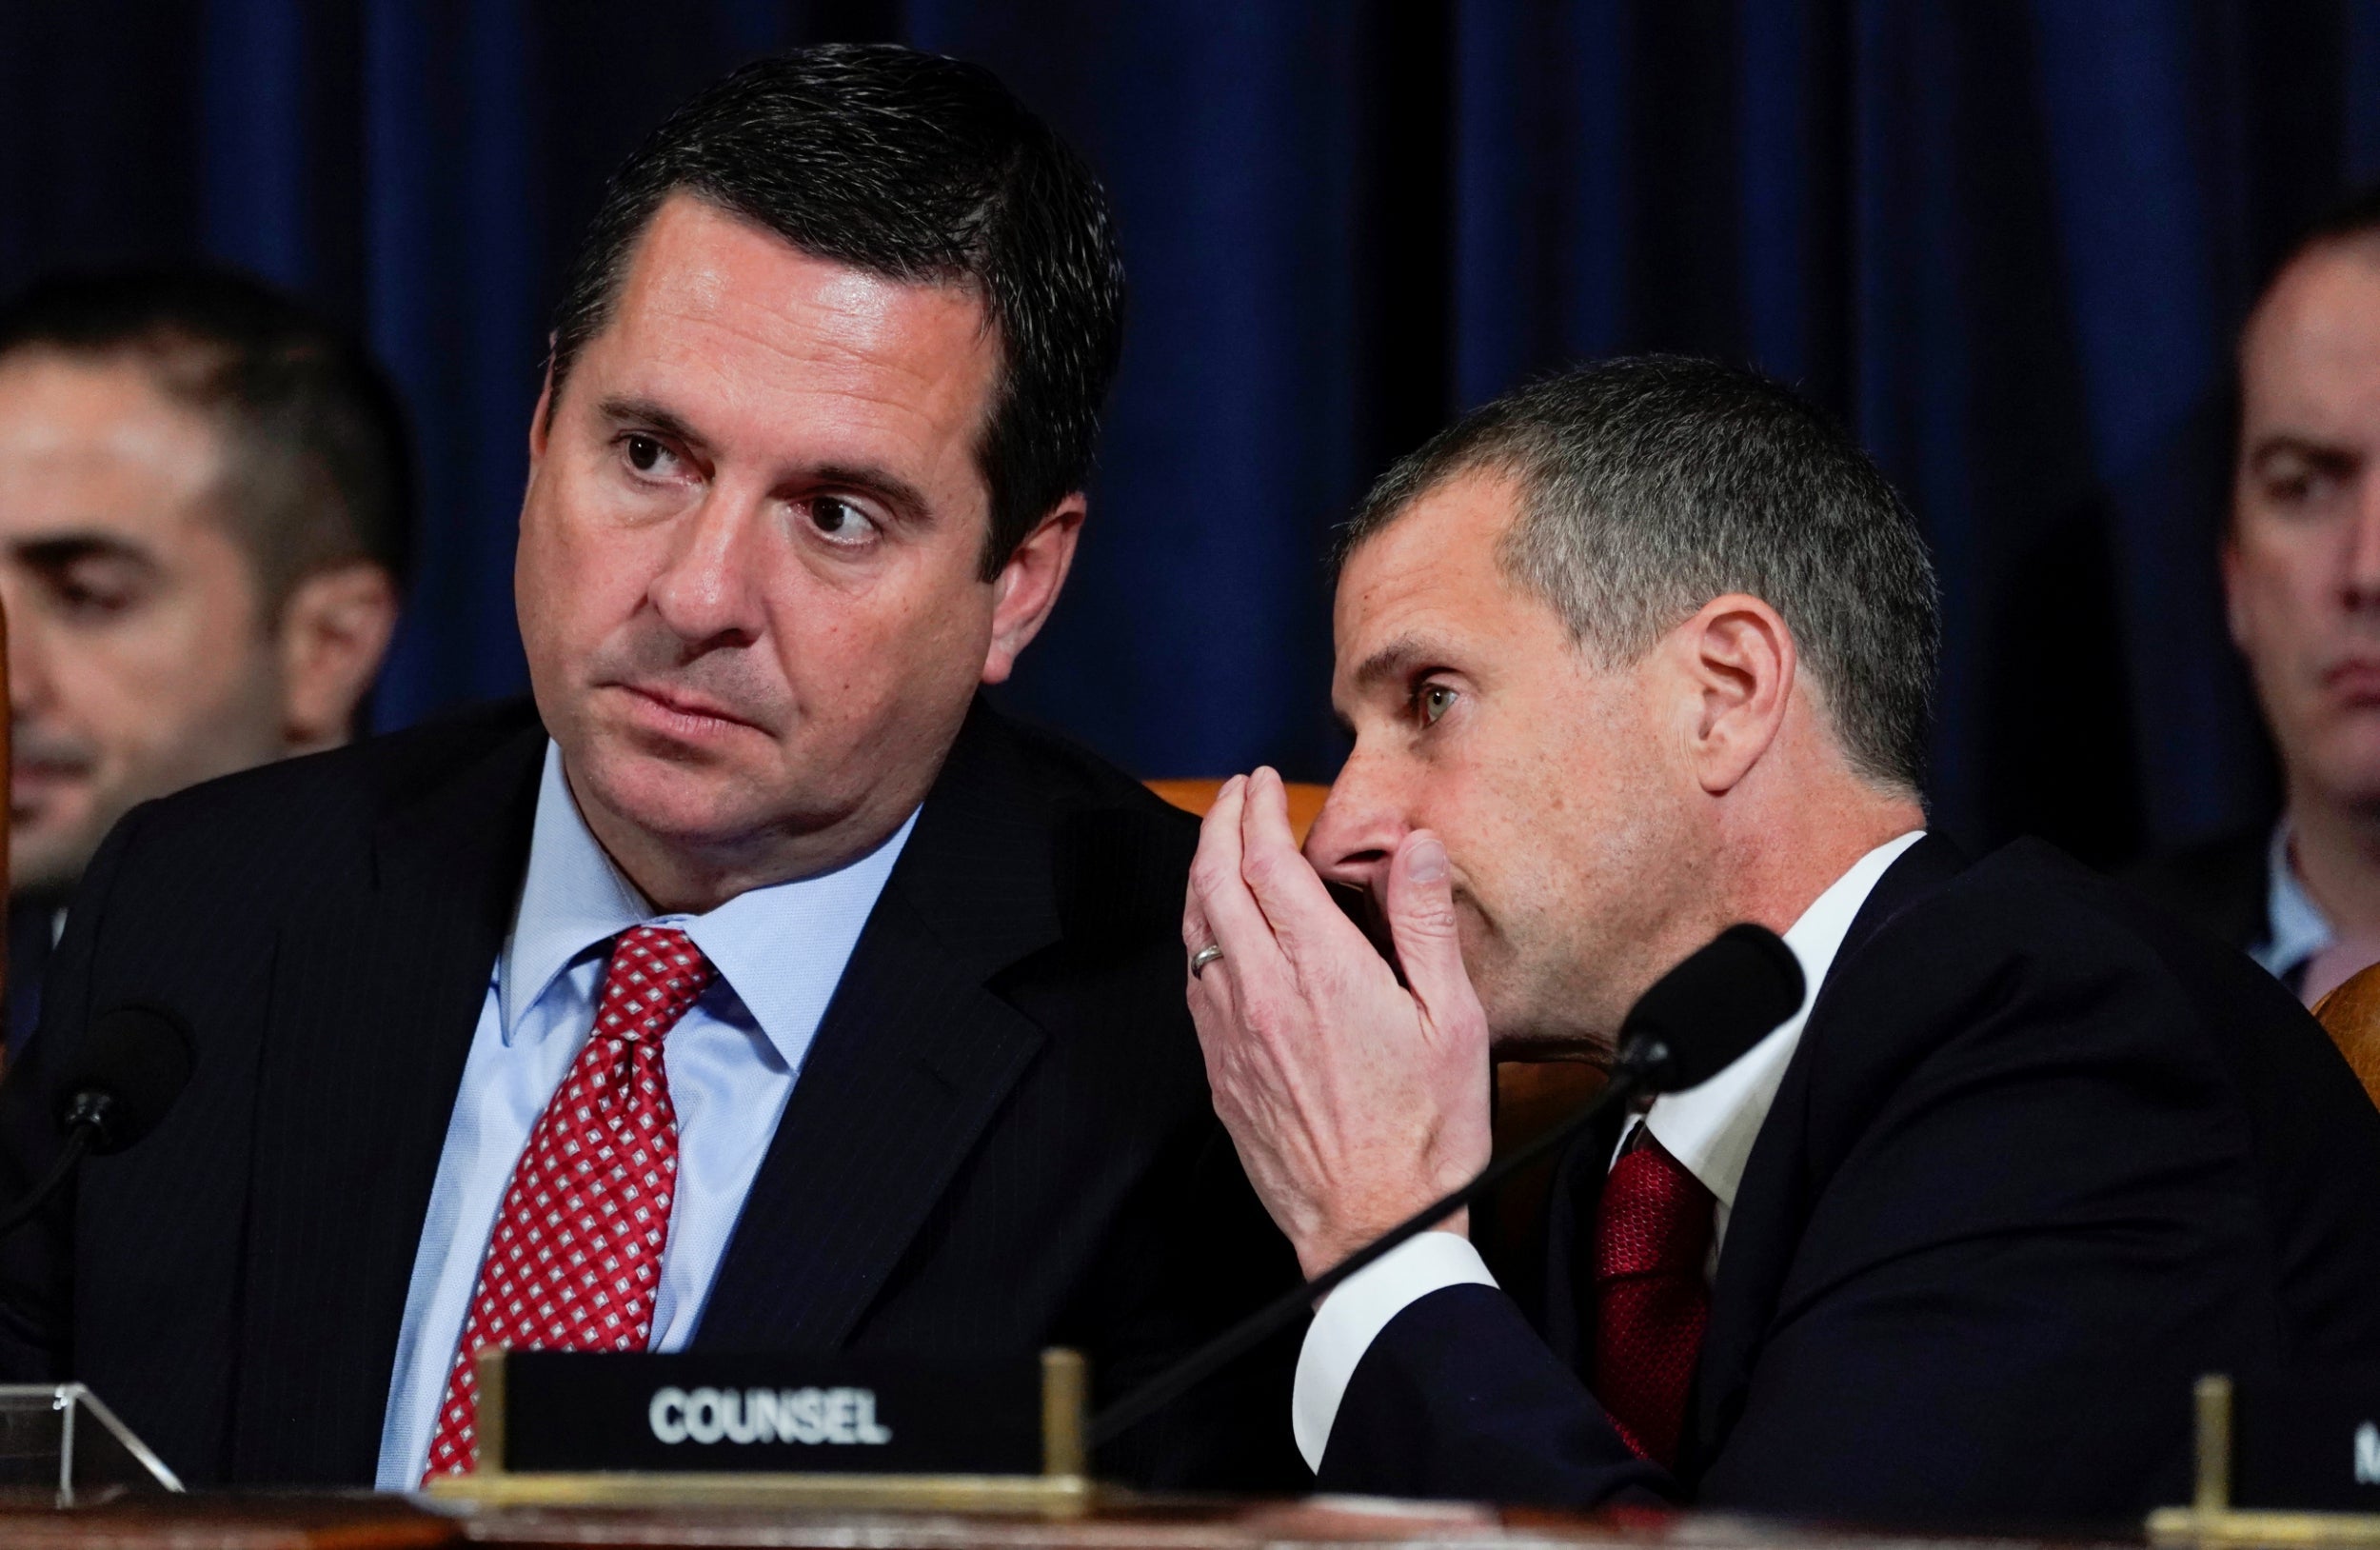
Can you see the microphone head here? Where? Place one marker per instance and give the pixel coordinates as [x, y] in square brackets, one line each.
[1700, 1017]
[132, 1063]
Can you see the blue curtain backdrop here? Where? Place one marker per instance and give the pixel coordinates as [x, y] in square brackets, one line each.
[2007, 242]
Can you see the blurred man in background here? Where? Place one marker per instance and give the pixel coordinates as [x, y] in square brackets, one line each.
[205, 502]
[2301, 575]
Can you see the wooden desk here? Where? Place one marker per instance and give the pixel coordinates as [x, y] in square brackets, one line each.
[363, 1522]
[29, 1520]
[1184, 1526]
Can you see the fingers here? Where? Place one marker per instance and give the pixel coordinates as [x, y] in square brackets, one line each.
[1227, 912]
[1282, 882]
[1422, 922]
[1208, 989]
[1195, 933]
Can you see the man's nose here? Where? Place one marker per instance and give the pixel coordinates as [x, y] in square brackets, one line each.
[706, 591]
[1357, 833]
[29, 684]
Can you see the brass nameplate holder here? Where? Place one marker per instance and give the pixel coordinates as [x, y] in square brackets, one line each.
[1062, 1489]
[2211, 1519]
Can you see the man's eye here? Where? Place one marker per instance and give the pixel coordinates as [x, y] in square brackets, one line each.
[1433, 701]
[2315, 484]
[645, 453]
[94, 596]
[2291, 487]
[839, 521]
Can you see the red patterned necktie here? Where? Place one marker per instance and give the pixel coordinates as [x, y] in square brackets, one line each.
[1652, 1239]
[574, 1264]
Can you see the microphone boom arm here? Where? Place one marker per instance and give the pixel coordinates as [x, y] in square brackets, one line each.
[1641, 1060]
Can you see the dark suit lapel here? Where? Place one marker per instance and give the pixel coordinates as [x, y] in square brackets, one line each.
[374, 1000]
[1772, 1200]
[914, 1055]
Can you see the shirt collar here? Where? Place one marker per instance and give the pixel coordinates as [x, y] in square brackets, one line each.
[1710, 1129]
[2297, 929]
[782, 949]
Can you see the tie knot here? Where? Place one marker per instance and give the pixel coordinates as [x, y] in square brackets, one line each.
[1656, 1216]
[655, 976]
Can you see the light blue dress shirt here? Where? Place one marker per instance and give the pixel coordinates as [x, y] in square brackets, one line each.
[732, 1061]
[2297, 927]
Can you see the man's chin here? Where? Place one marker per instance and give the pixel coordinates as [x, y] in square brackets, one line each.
[716, 805]
[696, 807]
[47, 862]
[2346, 764]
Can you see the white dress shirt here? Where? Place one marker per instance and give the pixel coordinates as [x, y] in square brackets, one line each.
[732, 1062]
[1709, 1129]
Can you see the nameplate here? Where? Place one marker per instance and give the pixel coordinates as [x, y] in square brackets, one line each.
[698, 1413]
[2309, 1441]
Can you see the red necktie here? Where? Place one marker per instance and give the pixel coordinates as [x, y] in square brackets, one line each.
[574, 1264]
[1652, 1239]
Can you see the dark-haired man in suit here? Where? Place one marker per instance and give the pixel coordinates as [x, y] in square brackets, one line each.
[1630, 655]
[758, 987]
[205, 512]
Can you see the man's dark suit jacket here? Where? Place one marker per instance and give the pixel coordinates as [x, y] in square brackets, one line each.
[1001, 1140]
[2042, 1157]
[31, 920]
[2222, 887]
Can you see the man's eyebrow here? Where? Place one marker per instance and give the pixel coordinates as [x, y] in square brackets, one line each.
[2313, 448]
[907, 501]
[56, 551]
[1394, 662]
[644, 411]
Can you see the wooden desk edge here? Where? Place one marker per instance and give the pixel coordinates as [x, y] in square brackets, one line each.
[1030, 1495]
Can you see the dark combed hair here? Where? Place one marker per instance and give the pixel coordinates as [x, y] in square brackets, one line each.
[1652, 484]
[2355, 214]
[320, 466]
[917, 168]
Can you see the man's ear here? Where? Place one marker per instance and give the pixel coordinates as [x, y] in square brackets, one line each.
[1739, 663]
[333, 632]
[538, 427]
[2234, 611]
[1028, 587]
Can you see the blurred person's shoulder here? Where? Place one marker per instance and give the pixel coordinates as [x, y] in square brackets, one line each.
[2223, 886]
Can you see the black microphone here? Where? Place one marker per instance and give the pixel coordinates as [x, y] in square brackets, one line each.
[132, 1063]
[1704, 1015]
[1696, 1021]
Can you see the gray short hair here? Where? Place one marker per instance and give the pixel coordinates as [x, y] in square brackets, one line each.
[1654, 484]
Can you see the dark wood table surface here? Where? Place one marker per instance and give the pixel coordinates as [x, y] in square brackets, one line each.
[369, 1522]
